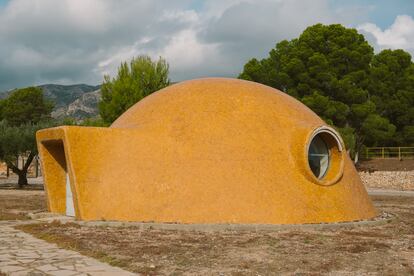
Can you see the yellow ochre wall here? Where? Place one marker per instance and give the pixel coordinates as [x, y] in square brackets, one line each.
[202, 151]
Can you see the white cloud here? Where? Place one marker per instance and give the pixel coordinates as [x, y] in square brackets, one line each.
[66, 40]
[76, 41]
[187, 51]
[400, 35]
[186, 16]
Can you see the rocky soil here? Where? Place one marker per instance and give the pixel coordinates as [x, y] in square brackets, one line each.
[391, 174]
[392, 180]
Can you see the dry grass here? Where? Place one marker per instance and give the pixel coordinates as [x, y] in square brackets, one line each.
[386, 165]
[383, 249]
[16, 204]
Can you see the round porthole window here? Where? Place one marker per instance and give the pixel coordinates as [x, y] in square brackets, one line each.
[325, 156]
[318, 156]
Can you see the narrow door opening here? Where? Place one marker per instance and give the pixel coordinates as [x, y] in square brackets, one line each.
[61, 196]
[70, 209]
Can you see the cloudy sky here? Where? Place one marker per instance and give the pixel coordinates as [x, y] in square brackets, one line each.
[78, 41]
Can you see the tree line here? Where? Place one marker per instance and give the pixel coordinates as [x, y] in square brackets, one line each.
[333, 70]
[367, 97]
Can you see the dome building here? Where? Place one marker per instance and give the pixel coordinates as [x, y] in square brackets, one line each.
[205, 151]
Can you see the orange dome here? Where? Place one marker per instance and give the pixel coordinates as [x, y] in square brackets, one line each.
[209, 151]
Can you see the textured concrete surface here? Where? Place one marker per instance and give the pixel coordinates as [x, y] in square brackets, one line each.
[22, 254]
[203, 151]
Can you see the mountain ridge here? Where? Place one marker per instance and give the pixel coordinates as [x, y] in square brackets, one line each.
[78, 101]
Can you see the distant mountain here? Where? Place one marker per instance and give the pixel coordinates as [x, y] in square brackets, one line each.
[77, 101]
[65, 94]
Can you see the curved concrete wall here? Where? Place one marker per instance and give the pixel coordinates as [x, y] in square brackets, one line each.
[203, 151]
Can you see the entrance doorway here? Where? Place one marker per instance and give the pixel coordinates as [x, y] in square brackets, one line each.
[70, 209]
[60, 193]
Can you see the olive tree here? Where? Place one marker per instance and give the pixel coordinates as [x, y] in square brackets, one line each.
[16, 141]
[22, 113]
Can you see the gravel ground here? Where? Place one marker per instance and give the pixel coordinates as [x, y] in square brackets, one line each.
[390, 180]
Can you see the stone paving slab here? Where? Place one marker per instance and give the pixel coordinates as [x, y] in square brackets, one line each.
[22, 254]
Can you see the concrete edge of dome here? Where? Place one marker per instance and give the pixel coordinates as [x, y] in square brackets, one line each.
[382, 218]
[330, 131]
